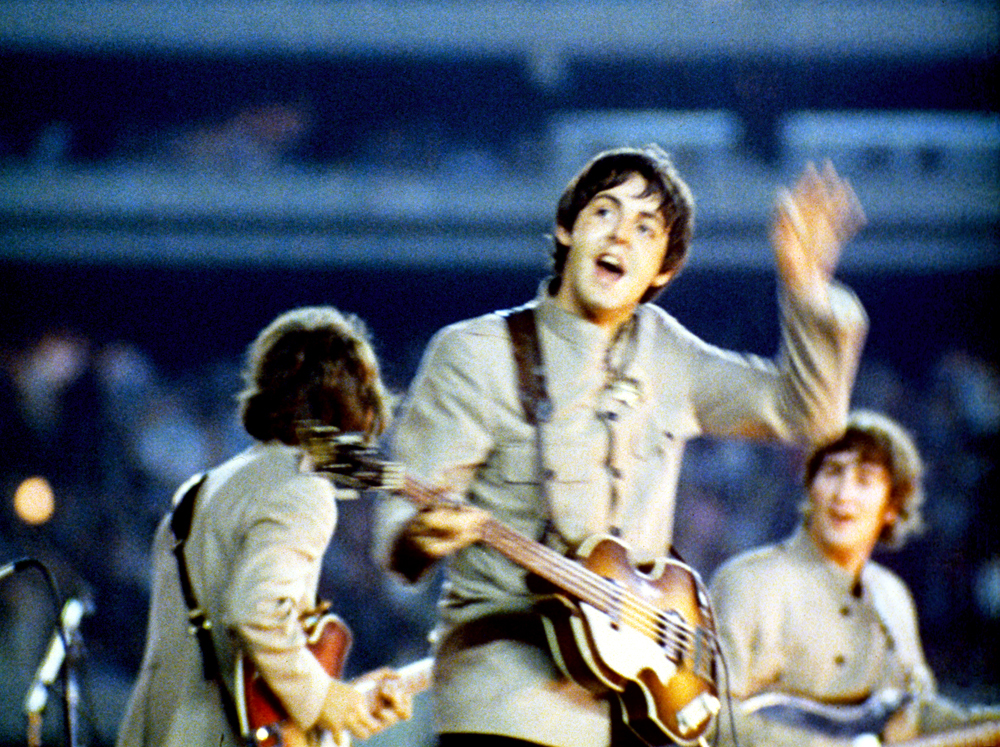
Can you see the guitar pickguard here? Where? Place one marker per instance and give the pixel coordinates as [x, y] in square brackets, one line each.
[652, 644]
[621, 648]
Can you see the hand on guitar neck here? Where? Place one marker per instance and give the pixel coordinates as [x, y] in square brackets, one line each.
[362, 707]
[443, 529]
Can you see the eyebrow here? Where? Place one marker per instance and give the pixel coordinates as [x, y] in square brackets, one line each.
[856, 461]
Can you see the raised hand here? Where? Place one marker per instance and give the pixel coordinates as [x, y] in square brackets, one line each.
[812, 223]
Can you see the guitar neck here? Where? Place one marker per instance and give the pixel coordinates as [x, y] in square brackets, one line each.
[981, 735]
[416, 677]
[533, 556]
[543, 561]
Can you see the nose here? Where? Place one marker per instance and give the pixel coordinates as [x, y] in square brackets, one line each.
[618, 233]
[843, 488]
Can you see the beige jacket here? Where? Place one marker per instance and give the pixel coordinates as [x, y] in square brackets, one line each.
[623, 410]
[254, 553]
[791, 621]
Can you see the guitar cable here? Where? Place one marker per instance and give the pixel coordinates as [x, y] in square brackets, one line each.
[728, 698]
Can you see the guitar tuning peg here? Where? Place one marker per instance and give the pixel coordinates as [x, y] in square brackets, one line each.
[395, 476]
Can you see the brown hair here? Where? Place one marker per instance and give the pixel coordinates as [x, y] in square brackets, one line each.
[614, 167]
[312, 364]
[881, 440]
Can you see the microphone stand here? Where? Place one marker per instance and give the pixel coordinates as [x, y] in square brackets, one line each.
[62, 655]
[71, 684]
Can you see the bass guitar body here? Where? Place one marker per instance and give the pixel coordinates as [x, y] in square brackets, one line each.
[650, 640]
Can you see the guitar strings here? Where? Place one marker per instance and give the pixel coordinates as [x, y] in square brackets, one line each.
[633, 610]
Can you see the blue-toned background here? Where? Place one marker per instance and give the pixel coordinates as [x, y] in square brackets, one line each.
[173, 175]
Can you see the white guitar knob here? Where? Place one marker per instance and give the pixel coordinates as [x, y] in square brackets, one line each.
[692, 716]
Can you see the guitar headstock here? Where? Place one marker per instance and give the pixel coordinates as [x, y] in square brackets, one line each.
[348, 459]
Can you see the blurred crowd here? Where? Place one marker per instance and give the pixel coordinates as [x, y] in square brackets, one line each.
[110, 436]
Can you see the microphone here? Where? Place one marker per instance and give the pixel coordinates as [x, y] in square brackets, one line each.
[16, 567]
[72, 612]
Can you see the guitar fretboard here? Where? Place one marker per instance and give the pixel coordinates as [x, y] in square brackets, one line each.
[667, 629]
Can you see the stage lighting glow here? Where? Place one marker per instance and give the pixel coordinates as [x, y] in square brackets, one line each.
[34, 501]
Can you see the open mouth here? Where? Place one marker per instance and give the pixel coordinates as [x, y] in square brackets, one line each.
[610, 267]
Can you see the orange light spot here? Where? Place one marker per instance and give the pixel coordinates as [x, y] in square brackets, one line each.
[34, 501]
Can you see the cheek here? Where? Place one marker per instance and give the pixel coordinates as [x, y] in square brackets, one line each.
[654, 252]
[820, 491]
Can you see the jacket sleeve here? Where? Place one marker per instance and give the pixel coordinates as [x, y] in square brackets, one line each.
[442, 435]
[802, 395]
[274, 582]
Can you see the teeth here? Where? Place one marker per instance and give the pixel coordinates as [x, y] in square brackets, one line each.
[610, 262]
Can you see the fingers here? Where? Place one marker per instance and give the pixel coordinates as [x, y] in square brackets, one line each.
[788, 218]
[362, 724]
[794, 237]
[386, 703]
[844, 200]
[831, 199]
[394, 701]
[443, 530]
[344, 711]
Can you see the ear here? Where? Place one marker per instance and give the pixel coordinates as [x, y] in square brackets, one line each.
[563, 236]
[891, 516]
[663, 278]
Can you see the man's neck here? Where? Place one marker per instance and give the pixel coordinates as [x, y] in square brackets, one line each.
[852, 563]
[851, 560]
[611, 322]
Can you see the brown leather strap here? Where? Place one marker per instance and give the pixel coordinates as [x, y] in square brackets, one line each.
[200, 626]
[533, 395]
[528, 356]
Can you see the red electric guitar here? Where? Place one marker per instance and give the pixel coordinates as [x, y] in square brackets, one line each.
[264, 721]
[648, 637]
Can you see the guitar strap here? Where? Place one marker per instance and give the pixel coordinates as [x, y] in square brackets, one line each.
[528, 357]
[199, 624]
[531, 390]
[538, 410]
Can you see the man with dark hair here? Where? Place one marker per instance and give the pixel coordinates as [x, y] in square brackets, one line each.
[261, 524]
[816, 618]
[597, 447]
